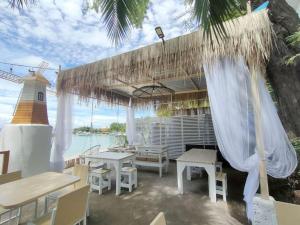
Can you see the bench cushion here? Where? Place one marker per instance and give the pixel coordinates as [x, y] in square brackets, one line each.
[150, 158]
[100, 171]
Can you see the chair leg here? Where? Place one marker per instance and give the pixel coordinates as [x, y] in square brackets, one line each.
[130, 182]
[36, 209]
[109, 181]
[10, 216]
[18, 215]
[46, 205]
[135, 179]
[225, 189]
[160, 171]
[88, 209]
[100, 185]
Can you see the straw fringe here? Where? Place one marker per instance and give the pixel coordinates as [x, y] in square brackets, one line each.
[249, 36]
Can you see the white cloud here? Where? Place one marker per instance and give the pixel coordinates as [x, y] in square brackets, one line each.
[58, 32]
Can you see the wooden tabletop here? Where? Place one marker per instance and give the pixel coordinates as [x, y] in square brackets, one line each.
[110, 155]
[26, 190]
[199, 156]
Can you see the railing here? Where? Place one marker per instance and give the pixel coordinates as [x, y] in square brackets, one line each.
[4, 167]
[92, 150]
[71, 162]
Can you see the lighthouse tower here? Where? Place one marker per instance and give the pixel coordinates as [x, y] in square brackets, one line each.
[28, 137]
[32, 106]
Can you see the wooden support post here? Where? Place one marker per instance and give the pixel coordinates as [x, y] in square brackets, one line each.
[248, 7]
[5, 161]
[264, 188]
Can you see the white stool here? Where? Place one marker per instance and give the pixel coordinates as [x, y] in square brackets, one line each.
[219, 167]
[129, 177]
[221, 190]
[100, 179]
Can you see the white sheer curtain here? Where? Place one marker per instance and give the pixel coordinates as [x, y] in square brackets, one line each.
[63, 131]
[229, 90]
[130, 125]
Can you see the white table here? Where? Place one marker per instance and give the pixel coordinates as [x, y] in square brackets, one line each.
[198, 158]
[116, 159]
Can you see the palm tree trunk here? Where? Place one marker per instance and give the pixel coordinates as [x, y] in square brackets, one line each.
[285, 79]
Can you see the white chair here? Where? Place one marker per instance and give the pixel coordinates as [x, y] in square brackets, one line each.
[129, 177]
[159, 219]
[100, 179]
[287, 213]
[221, 190]
[71, 209]
[79, 170]
[6, 215]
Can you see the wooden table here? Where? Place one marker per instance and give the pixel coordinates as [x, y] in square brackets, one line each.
[113, 158]
[198, 158]
[18, 193]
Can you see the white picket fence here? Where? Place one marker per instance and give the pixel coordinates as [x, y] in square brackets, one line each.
[177, 131]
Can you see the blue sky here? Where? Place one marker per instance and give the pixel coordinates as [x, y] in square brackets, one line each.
[58, 32]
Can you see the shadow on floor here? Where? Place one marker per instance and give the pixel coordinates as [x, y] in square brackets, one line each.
[155, 194]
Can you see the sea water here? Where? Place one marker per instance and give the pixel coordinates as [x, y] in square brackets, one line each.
[84, 142]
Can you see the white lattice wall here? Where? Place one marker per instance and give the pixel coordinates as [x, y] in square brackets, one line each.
[177, 131]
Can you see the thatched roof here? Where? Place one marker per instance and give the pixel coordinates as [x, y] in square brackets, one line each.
[113, 79]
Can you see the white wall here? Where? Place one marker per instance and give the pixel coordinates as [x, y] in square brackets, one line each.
[29, 146]
[177, 131]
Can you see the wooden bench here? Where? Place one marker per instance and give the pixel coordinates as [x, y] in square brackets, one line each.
[153, 156]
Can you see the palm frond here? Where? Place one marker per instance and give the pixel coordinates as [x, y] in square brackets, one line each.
[120, 16]
[211, 14]
[20, 4]
[294, 39]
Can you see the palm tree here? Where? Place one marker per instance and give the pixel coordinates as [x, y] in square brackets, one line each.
[120, 16]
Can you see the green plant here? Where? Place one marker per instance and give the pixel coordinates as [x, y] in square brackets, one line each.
[293, 40]
[117, 127]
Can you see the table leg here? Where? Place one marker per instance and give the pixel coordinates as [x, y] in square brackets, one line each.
[211, 171]
[180, 168]
[188, 173]
[118, 177]
[133, 163]
[36, 208]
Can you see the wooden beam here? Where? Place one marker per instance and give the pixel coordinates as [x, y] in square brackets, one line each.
[264, 187]
[248, 7]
